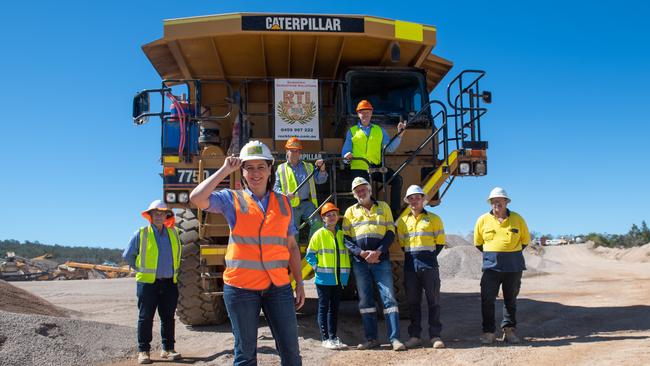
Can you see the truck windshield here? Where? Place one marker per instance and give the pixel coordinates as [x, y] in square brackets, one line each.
[388, 92]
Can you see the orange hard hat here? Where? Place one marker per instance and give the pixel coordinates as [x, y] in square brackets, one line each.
[329, 206]
[364, 105]
[293, 143]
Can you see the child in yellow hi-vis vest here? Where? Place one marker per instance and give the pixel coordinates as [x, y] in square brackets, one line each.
[329, 257]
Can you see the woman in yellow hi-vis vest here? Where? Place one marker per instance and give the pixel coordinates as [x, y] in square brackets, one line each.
[329, 257]
[155, 254]
[260, 249]
[366, 140]
[290, 174]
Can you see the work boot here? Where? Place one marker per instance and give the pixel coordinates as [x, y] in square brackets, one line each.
[397, 345]
[170, 355]
[328, 344]
[510, 336]
[437, 342]
[413, 342]
[488, 338]
[338, 344]
[143, 358]
[373, 343]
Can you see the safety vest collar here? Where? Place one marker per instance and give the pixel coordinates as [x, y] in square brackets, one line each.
[243, 203]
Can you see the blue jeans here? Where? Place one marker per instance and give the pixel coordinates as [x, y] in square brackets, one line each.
[510, 283]
[329, 298]
[414, 283]
[301, 214]
[163, 296]
[380, 274]
[244, 309]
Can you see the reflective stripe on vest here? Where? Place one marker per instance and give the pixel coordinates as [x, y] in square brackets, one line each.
[368, 147]
[368, 225]
[324, 245]
[421, 233]
[147, 259]
[289, 184]
[258, 254]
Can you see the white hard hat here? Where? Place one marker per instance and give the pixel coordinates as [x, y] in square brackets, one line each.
[157, 205]
[414, 189]
[358, 181]
[255, 150]
[498, 192]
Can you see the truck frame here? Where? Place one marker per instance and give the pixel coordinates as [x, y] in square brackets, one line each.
[220, 77]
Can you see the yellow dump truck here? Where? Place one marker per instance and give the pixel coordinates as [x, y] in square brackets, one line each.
[227, 79]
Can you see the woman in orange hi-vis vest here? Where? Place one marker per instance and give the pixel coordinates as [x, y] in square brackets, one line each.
[261, 247]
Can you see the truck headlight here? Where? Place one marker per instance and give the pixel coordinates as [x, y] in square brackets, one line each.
[463, 168]
[480, 168]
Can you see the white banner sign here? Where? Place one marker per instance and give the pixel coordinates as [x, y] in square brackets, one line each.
[296, 109]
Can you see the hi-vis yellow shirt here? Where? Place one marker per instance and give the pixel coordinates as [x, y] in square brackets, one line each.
[419, 236]
[506, 236]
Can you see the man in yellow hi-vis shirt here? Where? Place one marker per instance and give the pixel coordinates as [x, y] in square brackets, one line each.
[368, 233]
[501, 235]
[421, 236]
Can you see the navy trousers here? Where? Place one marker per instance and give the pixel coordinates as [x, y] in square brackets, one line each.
[510, 283]
[161, 295]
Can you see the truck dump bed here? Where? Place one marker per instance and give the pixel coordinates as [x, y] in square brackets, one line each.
[250, 45]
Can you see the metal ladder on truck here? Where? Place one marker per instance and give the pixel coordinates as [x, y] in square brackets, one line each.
[468, 157]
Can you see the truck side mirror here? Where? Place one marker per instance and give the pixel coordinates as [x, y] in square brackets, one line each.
[487, 97]
[141, 108]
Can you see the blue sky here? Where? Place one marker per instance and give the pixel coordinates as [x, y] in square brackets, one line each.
[567, 130]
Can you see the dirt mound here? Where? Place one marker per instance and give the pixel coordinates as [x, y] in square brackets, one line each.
[463, 261]
[16, 300]
[456, 240]
[637, 254]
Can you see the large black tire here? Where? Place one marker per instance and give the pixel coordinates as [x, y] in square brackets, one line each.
[398, 286]
[194, 308]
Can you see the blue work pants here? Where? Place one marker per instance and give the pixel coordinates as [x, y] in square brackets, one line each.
[380, 275]
[427, 280]
[510, 283]
[161, 295]
[329, 298]
[244, 309]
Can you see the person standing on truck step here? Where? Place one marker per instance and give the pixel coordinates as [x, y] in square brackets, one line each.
[501, 235]
[368, 233]
[155, 254]
[290, 174]
[260, 248]
[422, 237]
[329, 257]
[366, 140]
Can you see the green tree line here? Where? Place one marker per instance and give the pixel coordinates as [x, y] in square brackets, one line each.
[60, 253]
[637, 236]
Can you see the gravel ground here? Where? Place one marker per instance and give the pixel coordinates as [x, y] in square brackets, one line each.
[47, 340]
